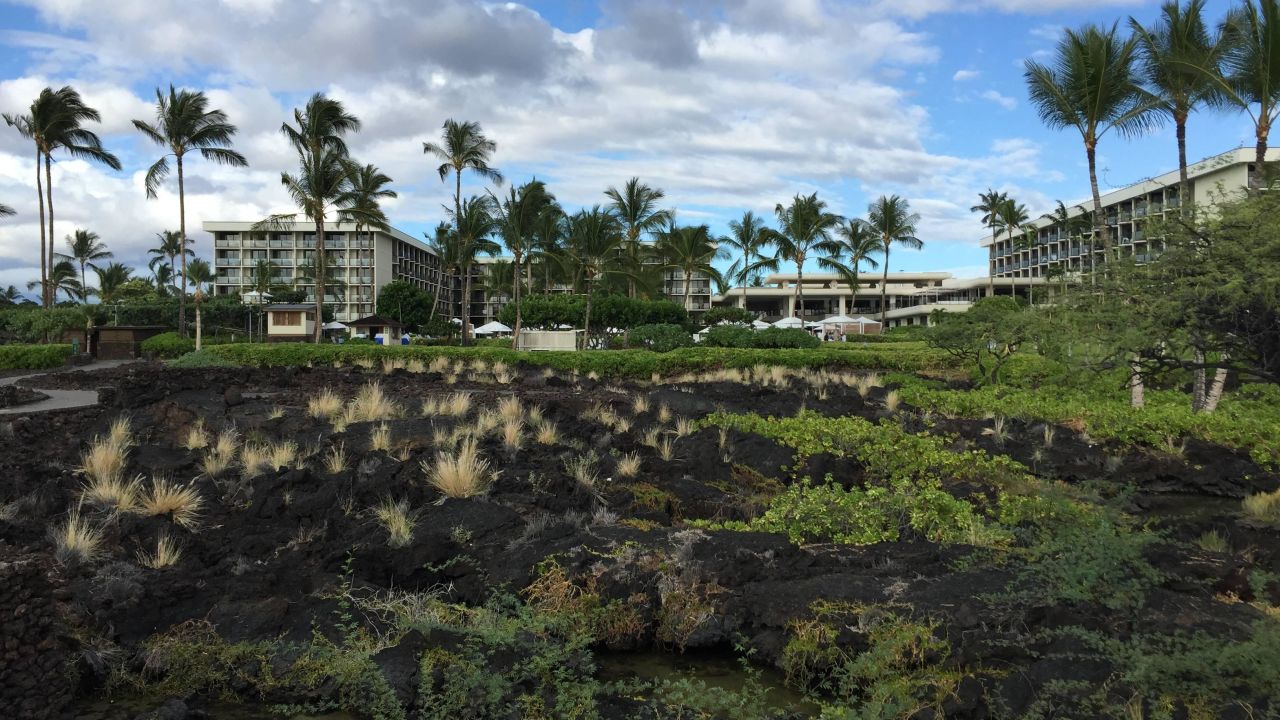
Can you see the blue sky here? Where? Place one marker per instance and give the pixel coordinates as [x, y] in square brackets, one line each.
[727, 106]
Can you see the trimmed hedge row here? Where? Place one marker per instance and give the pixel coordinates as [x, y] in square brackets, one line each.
[33, 357]
[610, 363]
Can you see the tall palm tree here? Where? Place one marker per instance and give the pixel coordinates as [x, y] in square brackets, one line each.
[636, 207]
[1075, 226]
[517, 217]
[1092, 86]
[201, 274]
[110, 278]
[471, 237]
[63, 278]
[594, 239]
[442, 244]
[802, 227]
[749, 237]
[184, 123]
[549, 233]
[323, 177]
[55, 122]
[167, 252]
[86, 248]
[853, 244]
[987, 204]
[892, 221]
[162, 277]
[361, 204]
[463, 147]
[690, 250]
[1011, 217]
[10, 296]
[1250, 73]
[1171, 53]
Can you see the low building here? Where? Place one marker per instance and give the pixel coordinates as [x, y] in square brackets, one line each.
[290, 322]
[375, 325]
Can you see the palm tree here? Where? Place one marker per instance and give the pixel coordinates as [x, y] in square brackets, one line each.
[892, 222]
[167, 252]
[361, 204]
[690, 250]
[1092, 86]
[802, 227]
[1250, 73]
[1171, 52]
[162, 277]
[987, 204]
[54, 121]
[549, 233]
[200, 274]
[10, 296]
[852, 246]
[184, 123]
[1010, 218]
[463, 147]
[85, 247]
[1075, 226]
[594, 239]
[473, 228]
[636, 207]
[63, 278]
[110, 278]
[323, 178]
[749, 236]
[517, 217]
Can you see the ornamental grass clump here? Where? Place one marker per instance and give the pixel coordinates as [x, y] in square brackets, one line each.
[113, 492]
[219, 458]
[371, 404]
[76, 540]
[628, 465]
[182, 503]
[1263, 507]
[462, 473]
[324, 404]
[398, 519]
[167, 554]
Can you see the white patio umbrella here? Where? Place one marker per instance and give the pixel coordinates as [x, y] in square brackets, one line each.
[333, 325]
[860, 320]
[789, 322]
[760, 324]
[491, 328]
[839, 320]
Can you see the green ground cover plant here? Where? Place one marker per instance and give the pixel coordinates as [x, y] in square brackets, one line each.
[33, 357]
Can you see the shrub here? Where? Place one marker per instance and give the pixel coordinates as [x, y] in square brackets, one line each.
[200, 359]
[785, 338]
[167, 345]
[731, 314]
[660, 338]
[730, 336]
[33, 357]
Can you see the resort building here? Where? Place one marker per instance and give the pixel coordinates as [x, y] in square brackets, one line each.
[910, 298]
[1043, 249]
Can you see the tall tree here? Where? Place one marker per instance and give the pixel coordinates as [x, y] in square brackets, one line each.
[473, 229]
[595, 236]
[690, 250]
[1011, 218]
[987, 204]
[636, 207]
[1250, 74]
[442, 244]
[55, 122]
[63, 278]
[892, 221]
[323, 176]
[361, 204]
[184, 123]
[10, 295]
[1171, 53]
[167, 253]
[201, 274]
[1075, 226]
[853, 244]
[517, 217]
[748, 235]
[110, 278]
[1092, 86]
[85, 249]
[549, 233]
[803, 226]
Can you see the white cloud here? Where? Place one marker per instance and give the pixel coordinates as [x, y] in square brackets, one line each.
[1003, 101]
[964, 75]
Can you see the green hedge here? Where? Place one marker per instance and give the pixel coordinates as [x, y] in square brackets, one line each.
[740, 336]
[33, 357]
[660, 338]
[609, 363]
[169, 345]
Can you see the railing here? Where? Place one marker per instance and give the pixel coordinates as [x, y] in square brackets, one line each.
[226, 261]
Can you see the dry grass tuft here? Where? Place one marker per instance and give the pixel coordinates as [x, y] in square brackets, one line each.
[335, 461]
[416, 366]
[391, 364]
[486, 422]
[582, 468]
[371, 404]
[456, 405]
[219, 458]
[534, 415]
[512, 434]
[168, 553]
[76, 540]
[892, 400]
[107, 455]
[640, 404]
[546, 433]
[1263, 507]
[182, 503]
[283, 454]
[664, 413]
[120, 433]
[666, 448]
[398, 519]
[628, 465]
[364, 362]
[276, 413]
[438, 365]
[684, 427]
[510, 408]
[461, 474]
[196, 437]
[380, 438]
[621, 425]
[255, 459]
[324, 404]
[113, 492]
[430, 407]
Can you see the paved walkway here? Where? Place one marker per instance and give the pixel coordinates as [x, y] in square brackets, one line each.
[59, 399]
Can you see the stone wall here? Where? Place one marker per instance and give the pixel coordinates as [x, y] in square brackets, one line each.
[33, 656]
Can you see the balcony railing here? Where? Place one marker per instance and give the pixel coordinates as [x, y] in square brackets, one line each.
[226, 261]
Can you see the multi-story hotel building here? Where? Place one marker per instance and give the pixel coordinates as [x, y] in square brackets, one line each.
[1042, 247]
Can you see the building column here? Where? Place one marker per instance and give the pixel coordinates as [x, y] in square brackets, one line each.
[841, 300]
[742, 299]
[791, 305]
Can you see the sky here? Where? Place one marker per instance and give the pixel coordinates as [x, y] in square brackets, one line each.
[726, 105]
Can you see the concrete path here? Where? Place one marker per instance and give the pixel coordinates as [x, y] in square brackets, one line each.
[58, 399]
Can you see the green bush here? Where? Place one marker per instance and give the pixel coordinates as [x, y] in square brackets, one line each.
[33, 324]
[717, 315]
[203, 358]
[785, 338]
[660, 338]
[729, 336]
[33, 357]
[493, 342]
[167, 345]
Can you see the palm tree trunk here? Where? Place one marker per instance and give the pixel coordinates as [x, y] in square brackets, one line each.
[84, 290]
[799, 289]
[317, 333]
[182, 250]
[1183, 182]
[466, 306]
[688, 287]
[44, 260]
[1099, 222]
[198, 329]
[1137, 390]
[1260, 155]
[48, 189]
[1214, 393]
[884, 286]
[991, 274]
[1198, 381]
[515, 291]
[586, 322]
